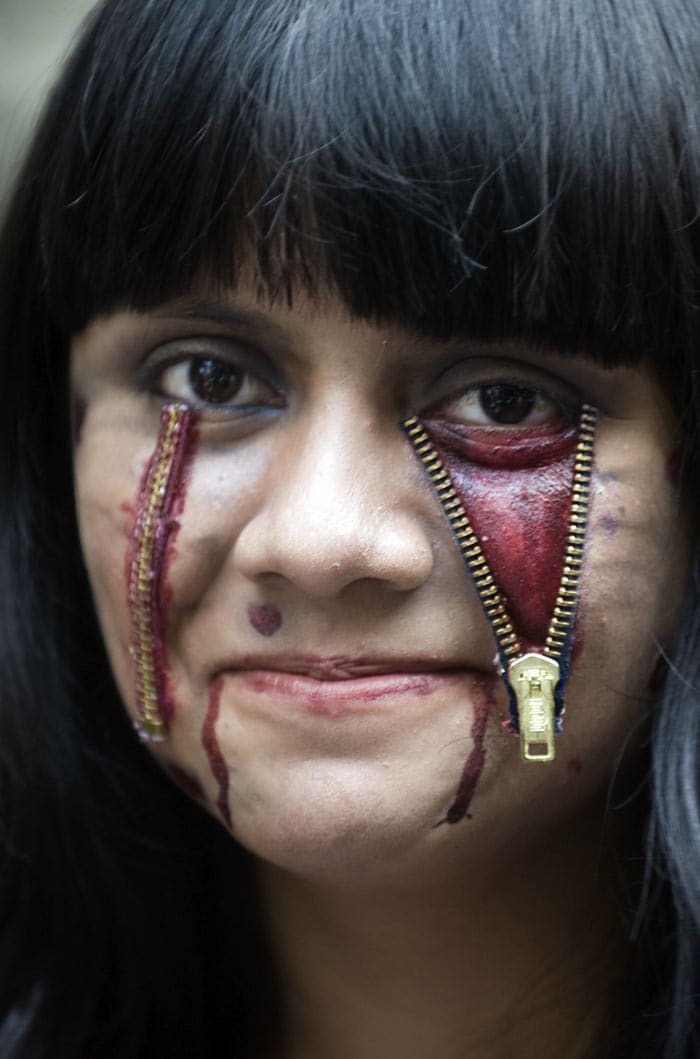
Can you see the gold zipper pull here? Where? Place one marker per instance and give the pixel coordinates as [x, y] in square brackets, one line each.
[533, 677]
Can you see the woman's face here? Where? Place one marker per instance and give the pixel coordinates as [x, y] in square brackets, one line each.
[326, 661]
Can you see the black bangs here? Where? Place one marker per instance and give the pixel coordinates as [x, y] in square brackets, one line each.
[486, 167]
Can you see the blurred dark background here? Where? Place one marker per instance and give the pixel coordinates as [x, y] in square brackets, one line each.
[34, 37]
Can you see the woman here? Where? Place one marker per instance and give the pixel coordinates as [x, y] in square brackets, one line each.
[377, 328]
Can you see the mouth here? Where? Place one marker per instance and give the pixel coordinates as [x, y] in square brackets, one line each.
[345, 667]
[335, 686]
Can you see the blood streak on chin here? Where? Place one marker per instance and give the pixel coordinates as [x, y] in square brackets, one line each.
[519, 507]
[482, 701]
[213, 751]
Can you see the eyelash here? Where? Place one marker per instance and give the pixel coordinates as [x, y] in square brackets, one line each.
[261, 395]
[478, 395]
[243, 381]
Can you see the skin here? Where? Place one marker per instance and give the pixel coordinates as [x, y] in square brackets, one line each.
[394, 936]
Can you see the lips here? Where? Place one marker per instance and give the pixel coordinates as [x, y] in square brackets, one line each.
[343, 667]
[338, 685]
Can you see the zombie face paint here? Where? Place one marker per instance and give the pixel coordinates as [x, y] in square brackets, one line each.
[160, 499]
[305, 496]
[264, 618]
[213, 751]
[473, 767]
[535, 678]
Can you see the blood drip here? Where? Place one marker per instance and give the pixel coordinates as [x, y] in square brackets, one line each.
[214, 754]
[471, 774]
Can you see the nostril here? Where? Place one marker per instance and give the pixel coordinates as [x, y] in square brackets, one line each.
[265, 618]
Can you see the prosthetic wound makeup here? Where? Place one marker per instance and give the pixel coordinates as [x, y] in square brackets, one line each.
[535, 676]
[160, 499]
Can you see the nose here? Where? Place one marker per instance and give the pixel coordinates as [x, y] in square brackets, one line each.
[338, 507]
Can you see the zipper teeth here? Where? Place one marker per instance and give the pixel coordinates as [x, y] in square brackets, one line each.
[567, 596]
[143, 587]
[467, 539]
[473, 555]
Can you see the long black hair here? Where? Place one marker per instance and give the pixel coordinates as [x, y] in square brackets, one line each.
[492, 168]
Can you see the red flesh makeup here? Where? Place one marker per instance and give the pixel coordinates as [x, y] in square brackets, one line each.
[160, 502]
[515, 486]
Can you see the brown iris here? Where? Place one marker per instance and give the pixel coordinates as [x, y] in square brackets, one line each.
[215, 381]
[506, 403]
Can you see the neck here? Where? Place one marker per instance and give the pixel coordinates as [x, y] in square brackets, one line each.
[517, 960]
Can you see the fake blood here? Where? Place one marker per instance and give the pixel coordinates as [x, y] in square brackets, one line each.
[471, 774]
[264, 618]
[515, 487]
[168, 528]
[213, 751]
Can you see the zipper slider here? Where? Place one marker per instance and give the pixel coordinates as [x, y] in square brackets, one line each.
[533, 677]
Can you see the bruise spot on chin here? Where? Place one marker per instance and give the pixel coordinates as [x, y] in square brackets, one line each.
[265, 618]
[520, 510]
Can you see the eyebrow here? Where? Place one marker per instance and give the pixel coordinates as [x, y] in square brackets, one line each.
[224, 314]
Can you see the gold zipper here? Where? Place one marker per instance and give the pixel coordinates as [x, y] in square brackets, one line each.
[149, 532]
[535, 680]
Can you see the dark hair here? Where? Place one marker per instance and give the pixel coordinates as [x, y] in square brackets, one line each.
[485, 167]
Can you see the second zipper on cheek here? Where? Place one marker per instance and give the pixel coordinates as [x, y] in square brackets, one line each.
[536, 680]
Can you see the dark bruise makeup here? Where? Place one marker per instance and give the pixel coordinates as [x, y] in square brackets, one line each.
[160, 503]
[217, 762]
[265, 618]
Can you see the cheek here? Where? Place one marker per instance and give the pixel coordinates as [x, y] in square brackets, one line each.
[106, 521]
[129, 511]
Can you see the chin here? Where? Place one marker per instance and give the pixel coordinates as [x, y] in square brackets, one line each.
[332, 824]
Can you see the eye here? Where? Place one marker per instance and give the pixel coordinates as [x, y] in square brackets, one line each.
[505, 404]
[210, 382]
